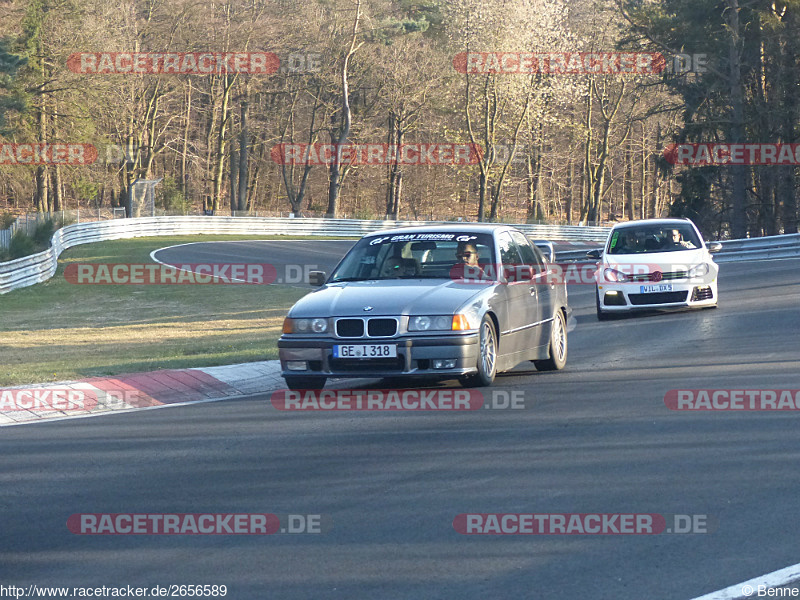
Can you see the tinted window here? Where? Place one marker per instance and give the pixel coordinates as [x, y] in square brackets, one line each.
[509, 255]
[530, 254]
[653, 238]
[428, 255]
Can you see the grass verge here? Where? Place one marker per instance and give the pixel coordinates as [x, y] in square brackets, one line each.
[56, 331]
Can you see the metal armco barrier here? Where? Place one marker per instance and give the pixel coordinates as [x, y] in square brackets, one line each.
[33, 269]
[775, 246]
[772, 247]
[40, 267]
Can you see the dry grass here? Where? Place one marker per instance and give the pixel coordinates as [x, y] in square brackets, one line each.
[56, 331]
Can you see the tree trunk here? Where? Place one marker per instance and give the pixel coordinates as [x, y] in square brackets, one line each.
[787, 174]
[56, 173]
[219, 169]
[334, 182]
[398, 176]
[570, 190]
[739, 172]
[184, 175]
[390, 168]
[42, 175]
[234, 178]
[243, 161]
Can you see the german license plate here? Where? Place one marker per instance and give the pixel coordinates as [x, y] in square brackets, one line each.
[365, 351]
[654, 289]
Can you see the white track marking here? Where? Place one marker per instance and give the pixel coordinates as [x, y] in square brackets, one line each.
[770, 580]
[127, 410]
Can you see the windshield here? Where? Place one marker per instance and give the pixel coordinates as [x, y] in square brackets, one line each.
[414, 256]
[650, 239]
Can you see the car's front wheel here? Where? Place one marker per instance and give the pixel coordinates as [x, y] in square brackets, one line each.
[487, 356]
[601, 315]
[304, 382]
[558, 346]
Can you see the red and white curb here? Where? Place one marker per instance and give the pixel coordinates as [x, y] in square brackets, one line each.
[139, 391]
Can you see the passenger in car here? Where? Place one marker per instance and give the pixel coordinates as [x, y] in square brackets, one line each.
[467, 254]
[397, 266]
[467, 265]
[675, 239]
[629, 244]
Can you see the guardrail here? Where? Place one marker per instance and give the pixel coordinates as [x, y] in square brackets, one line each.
[775, 246]
[772, 247]
[40, 267]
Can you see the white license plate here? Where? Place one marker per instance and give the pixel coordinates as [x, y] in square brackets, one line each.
[654, 289]
[365, 351]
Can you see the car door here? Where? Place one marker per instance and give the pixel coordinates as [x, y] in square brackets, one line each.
[540, 291]
[521, 302]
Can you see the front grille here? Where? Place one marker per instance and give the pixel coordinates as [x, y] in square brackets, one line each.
[368, 364]
[658, 298]
[664, 276]
[381, 327]
[350, 328]
[702, 293]
[375, 327]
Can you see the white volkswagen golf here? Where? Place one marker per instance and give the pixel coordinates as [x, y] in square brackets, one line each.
[653, 264]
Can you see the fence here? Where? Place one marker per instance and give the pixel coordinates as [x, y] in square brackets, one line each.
[33, 269]
[30, 221]
[772, 247]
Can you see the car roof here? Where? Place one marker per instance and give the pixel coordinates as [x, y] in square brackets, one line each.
[645, 222]
[489, 228]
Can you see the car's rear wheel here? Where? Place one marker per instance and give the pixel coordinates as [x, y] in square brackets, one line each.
[601, 314]
[304, 382]
[487, 356]
[558, 346]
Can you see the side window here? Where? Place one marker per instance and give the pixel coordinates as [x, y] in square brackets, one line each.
[530, 254]
[509, 254]
[539, 265]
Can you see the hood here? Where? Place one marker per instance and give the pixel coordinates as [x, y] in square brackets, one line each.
[679, 260]
[386, 297]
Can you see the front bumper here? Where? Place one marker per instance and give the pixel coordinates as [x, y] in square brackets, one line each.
[415, 356]
[621, 297]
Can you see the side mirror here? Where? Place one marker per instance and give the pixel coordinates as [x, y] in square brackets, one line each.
[714, 247]
[596, 253]
[547, 248]
[317, 278]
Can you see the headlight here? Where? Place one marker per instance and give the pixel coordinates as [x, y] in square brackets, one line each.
[317, 325]
[615, 276]
[699, 270]
[426, 323]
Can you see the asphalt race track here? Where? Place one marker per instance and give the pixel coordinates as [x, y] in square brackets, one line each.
[594, 438]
